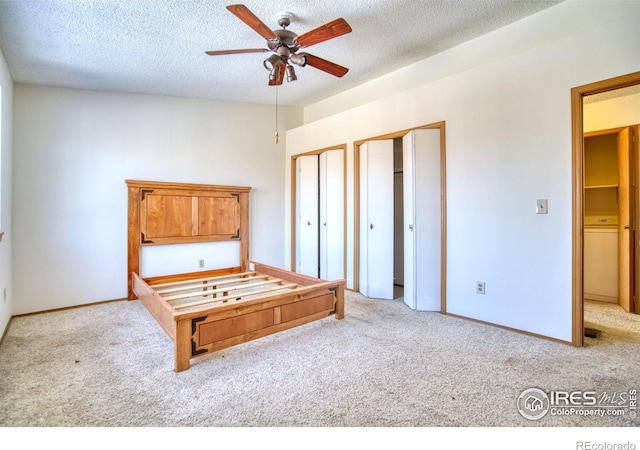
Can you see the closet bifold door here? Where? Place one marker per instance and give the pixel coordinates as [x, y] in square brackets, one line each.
[307, 204]
[320, 215]
[422, 219]
[626, 244]
[331, 210]
[635, 216]
[376, 219]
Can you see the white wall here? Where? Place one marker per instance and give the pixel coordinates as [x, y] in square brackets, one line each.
[6, 120]
[508, 143]
[74, 149]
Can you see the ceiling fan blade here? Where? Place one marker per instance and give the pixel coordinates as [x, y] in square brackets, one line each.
[278, 82]
[233, 52]
[326, 66]
[323, 33]
[243, 13]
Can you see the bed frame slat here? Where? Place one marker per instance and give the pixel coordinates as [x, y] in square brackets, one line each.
[207, 292]
[203, 285]
[236, 296]
[197, 280]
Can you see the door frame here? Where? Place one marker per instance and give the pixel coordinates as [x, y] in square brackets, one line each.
[443, 205]
[294, 211]
[577, 148]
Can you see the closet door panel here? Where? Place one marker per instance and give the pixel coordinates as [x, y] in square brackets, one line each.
[307, 239]
[428, 220]
[422, 217]
[331, 183]
[625, 243]
[408, 172]
[376, 219]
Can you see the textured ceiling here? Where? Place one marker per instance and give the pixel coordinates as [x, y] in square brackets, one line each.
[157, 46]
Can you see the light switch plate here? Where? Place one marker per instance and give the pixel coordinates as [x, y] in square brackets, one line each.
[541, 206]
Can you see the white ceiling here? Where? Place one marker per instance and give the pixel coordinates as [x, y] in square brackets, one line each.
[157, 46]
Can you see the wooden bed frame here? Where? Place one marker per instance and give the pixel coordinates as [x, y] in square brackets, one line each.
[206, 311]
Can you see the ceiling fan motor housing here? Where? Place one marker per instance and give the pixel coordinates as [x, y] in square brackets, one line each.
[286, 39]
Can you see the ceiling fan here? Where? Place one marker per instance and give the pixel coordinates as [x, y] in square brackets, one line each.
[285, 44]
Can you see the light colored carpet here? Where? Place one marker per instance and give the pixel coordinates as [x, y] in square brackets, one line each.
[111, 365]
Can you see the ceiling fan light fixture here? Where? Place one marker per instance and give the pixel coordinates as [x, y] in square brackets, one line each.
[271, 62]
[291, 73]
[274, 75]
[298, 60]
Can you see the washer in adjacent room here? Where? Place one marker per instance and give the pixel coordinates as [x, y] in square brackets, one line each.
[601, 258]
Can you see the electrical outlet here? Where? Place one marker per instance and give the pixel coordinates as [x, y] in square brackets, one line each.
[480, 287]
[201, 263]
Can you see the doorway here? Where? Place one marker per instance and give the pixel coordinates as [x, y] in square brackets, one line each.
[420, 266]
[578, 148]
[609, 216]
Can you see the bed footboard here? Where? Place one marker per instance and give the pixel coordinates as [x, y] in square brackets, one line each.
[203, 315]
[229, 325]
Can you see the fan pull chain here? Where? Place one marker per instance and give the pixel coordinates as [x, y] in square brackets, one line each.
[276, 136]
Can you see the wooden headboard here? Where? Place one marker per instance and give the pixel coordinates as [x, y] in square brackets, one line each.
[163, 213]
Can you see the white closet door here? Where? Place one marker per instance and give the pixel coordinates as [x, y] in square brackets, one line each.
[331, 215]
[408, 179]
[423, 216]
[376, 219]
[307, 211]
